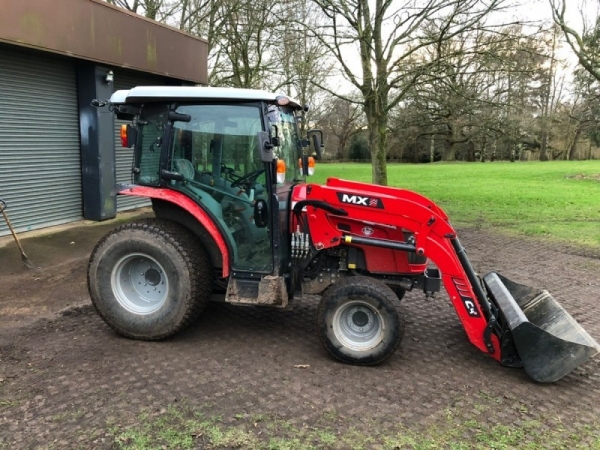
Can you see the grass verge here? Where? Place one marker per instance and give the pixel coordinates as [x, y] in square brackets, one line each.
[181, 427]
[558, 200]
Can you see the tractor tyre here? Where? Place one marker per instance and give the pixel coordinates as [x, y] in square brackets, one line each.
[357, 321]
[149, 279]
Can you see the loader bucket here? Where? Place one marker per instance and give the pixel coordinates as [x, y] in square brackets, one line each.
[548, 340]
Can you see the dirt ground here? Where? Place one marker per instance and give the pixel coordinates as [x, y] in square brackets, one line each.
[68, 381]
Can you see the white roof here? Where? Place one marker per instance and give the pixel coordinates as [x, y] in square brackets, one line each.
[190, 93]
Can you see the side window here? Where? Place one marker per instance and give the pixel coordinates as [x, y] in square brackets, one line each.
[151, 126]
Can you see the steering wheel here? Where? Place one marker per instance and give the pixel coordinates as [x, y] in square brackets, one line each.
[248, 179]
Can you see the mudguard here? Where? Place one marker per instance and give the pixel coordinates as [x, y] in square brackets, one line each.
[191, 207]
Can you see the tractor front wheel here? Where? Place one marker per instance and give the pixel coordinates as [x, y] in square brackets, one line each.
[149, 279]
[357, 321]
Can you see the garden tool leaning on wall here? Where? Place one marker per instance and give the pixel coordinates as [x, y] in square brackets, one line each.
[24, 259]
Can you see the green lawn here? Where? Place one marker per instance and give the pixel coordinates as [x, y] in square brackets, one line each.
[182, 427]
[558, 200]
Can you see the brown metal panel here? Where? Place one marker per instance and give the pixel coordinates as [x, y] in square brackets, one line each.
[97, 31]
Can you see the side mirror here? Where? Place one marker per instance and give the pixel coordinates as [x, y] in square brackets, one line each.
[316, 136]
[261, 213]
[99, 103]
[266, 148]
[275, 136]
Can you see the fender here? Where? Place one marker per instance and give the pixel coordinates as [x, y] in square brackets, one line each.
[188, 205]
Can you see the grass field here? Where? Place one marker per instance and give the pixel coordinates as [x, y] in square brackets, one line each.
[558, 200]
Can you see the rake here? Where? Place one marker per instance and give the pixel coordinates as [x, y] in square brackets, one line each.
[24, 259]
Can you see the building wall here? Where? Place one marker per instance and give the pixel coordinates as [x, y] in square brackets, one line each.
[94, 30]
[59, 161]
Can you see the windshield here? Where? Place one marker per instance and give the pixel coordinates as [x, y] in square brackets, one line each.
[289, 140]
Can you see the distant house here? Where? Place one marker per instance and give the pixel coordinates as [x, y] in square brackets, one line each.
[59, 159]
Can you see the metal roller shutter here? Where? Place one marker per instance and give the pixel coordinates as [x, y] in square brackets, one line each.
[40, 164]
[124, 156]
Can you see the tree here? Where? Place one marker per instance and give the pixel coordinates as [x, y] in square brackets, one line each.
[387, 38]
[486, 86]
[245, 41]
[581, 114]
[585, 43]
[341, 121]
[304, 63]
[251, 43]
[159, 10]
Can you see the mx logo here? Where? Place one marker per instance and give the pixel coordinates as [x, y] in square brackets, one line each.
[370, 202]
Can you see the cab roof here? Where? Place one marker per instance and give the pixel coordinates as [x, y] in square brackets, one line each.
[144, 94]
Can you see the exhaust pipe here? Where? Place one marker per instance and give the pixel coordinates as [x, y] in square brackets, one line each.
[549, 342]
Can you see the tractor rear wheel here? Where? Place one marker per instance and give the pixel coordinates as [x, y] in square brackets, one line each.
[357, 321]
[149, 279]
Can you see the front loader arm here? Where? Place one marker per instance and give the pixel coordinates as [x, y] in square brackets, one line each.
[434, 238]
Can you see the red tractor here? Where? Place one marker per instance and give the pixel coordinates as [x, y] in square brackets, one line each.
[236, 221]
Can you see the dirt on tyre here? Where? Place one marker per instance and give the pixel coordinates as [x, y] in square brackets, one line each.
[357, 321]
[149, 279]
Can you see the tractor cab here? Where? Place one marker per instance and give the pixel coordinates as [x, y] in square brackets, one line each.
[235, 153]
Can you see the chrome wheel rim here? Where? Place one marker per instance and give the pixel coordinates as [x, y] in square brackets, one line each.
[358, 326]
[140, 284]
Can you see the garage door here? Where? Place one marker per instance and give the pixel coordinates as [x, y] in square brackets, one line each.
[124, 156]
[40, 165]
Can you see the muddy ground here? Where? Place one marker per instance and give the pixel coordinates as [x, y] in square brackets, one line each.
[68, 381]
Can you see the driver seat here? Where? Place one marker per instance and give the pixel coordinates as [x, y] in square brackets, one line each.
[186, 168]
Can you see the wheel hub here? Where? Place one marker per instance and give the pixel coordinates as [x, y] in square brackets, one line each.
[139, 283]
[358, 326]
[360, 318]
[152, 277]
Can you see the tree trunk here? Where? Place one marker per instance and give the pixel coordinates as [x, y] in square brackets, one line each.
[470, 151]
[547, 105]
[573, 145]
[449, 153]
[450, 145]
[377, 125]
[432, 150]
[544, 146]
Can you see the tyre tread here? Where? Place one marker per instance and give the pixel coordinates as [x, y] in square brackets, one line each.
[375, 287]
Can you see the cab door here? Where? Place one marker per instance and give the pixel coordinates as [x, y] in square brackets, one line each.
[217, 154]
